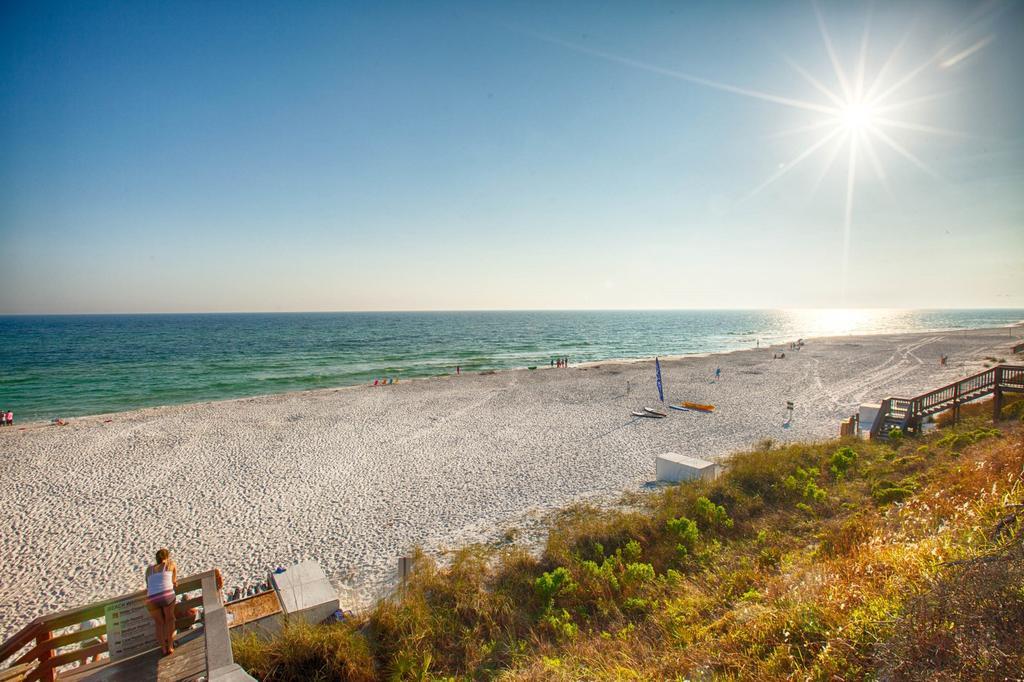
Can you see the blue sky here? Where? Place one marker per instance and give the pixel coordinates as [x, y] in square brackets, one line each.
[303, 156]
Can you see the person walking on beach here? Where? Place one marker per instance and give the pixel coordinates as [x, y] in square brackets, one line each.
[718, 373]
[161, 581]
[9, 418]
[458, 370]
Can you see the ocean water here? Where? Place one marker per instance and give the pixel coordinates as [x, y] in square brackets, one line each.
[64, 366]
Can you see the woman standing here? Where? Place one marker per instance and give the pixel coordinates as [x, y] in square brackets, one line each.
[161, 580]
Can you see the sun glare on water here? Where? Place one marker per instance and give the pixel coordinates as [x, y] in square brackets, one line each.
[840, 321]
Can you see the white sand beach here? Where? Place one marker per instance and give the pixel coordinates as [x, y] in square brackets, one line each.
[355, 477]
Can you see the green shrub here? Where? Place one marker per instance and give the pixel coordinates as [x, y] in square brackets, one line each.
[842, 460]
[638, 574]
[886, 492]
[685, 532]
[561, 624]
[551, 584]
[631, 551]
[637, 606]
[711, 514]
[804, 482]
[603, 574]
[896, 435]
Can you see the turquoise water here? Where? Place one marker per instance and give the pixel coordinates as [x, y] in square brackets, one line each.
[63, 366]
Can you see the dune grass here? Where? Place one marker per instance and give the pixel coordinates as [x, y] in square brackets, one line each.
[842, 559]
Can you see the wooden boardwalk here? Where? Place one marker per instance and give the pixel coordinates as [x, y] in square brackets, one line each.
[908, 413]
[186, 664]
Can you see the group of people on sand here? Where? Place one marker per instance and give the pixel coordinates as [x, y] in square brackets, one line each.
[6, 418]
[560, 362]
[794, 345]
[386, 381]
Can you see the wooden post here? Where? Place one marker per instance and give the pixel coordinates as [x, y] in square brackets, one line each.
[956, 402]
[997, 395]
[405, 566]
[47, 673]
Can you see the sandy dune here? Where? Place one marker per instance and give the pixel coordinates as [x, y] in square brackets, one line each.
[354, 477]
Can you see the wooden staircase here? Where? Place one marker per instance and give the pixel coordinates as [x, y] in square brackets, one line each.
[909, 413]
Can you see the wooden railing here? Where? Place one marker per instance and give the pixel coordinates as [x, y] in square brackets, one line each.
[884, 409]
[910, 411]
[1019, 348]
[39, 635]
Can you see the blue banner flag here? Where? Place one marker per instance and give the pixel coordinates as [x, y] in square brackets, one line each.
[657, 374]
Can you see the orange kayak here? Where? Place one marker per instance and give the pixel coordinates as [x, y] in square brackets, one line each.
[699, 407]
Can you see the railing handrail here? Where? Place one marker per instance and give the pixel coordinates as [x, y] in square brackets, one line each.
[41, 628]
[16, 642]
[962, 382]
[883, 411]
[915, 407]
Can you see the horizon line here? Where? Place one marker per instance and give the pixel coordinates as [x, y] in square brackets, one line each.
[503, 310]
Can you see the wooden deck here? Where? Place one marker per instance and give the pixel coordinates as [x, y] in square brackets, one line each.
[186, 664]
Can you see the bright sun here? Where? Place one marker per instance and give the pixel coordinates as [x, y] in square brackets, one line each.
[857, 117]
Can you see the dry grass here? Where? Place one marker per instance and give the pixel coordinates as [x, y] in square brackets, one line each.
[839, 560]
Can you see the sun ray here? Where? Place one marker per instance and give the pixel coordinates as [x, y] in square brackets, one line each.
[840, 74]
[851, 175]
[917, 127]
[833, 153]
[815, 82]
[876, 163]
[913, 101]
[887, 64]
[817, 125]
[862, 59]
[899, 149]
[680, 75]
[908, 77]
[786, 167]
